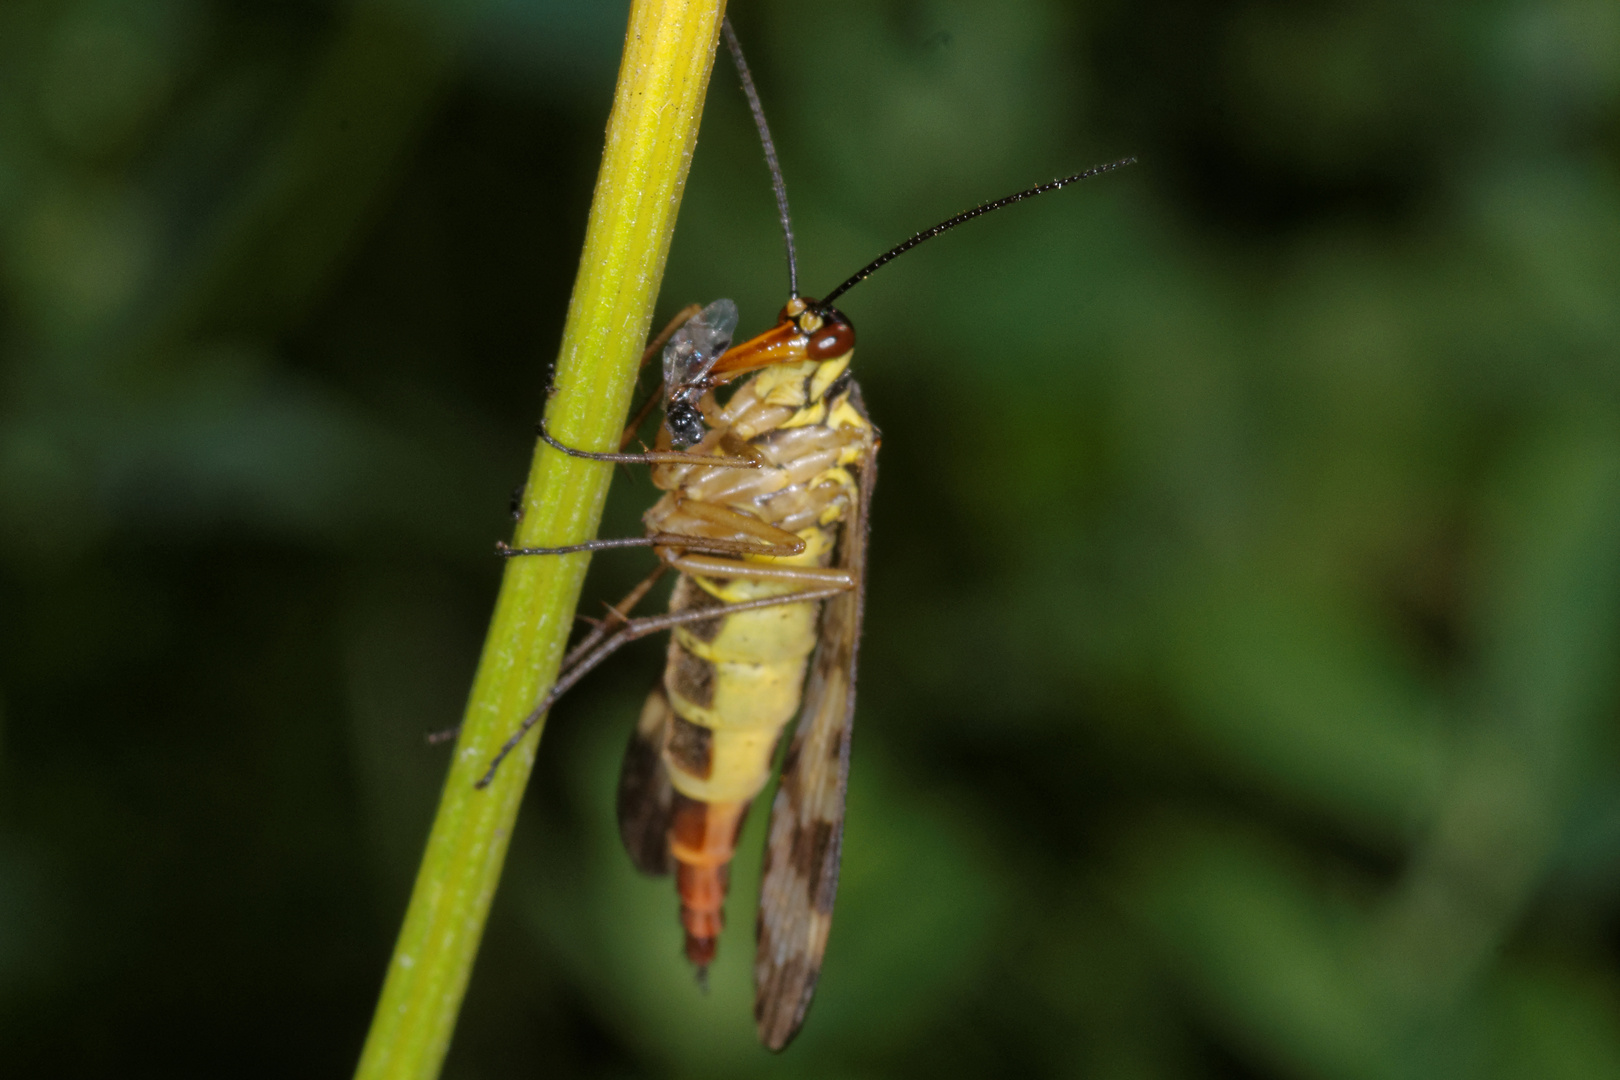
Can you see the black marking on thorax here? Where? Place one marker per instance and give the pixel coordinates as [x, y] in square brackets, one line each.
[839, 385]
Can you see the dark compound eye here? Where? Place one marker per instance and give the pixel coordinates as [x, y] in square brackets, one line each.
[833, 339]
[685, 425]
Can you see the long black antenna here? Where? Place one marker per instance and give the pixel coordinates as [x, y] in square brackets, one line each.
[968, 215]
[770, 151]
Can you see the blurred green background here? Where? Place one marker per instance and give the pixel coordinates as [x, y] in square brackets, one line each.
[1241, 662]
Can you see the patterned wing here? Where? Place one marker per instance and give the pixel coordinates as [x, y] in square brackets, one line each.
[807, 818]
[646, 798]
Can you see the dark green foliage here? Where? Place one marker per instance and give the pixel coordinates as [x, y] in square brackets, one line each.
[1239, 689]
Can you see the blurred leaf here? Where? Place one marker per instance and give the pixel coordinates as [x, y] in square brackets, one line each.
[1551, 1022]
[1287, 687]
[1552, 619]
[1265, 951]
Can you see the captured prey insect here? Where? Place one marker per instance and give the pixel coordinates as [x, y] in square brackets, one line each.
[764, 518]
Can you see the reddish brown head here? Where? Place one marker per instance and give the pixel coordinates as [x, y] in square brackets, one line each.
[805, 330]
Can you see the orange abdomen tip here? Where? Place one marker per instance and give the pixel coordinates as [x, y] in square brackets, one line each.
[703, 898]
[702, 839]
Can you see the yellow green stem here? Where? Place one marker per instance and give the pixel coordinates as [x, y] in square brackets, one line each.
[651, 133]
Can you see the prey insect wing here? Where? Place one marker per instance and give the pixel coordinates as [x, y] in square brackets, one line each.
[800, 875]
[693, 349]
[688, 358]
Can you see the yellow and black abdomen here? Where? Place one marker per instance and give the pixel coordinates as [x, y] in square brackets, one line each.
[733, 683]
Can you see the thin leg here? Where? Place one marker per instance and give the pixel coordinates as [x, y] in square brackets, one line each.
[705, 566]
[631, 630]
[506, 551]
[700, 513]
[617, 616]
[682, 541]
[651, 457]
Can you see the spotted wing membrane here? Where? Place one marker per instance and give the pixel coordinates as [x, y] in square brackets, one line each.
[800, 878]
[646, 798]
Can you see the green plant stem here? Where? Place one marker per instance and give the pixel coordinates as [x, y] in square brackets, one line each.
[668, 54]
